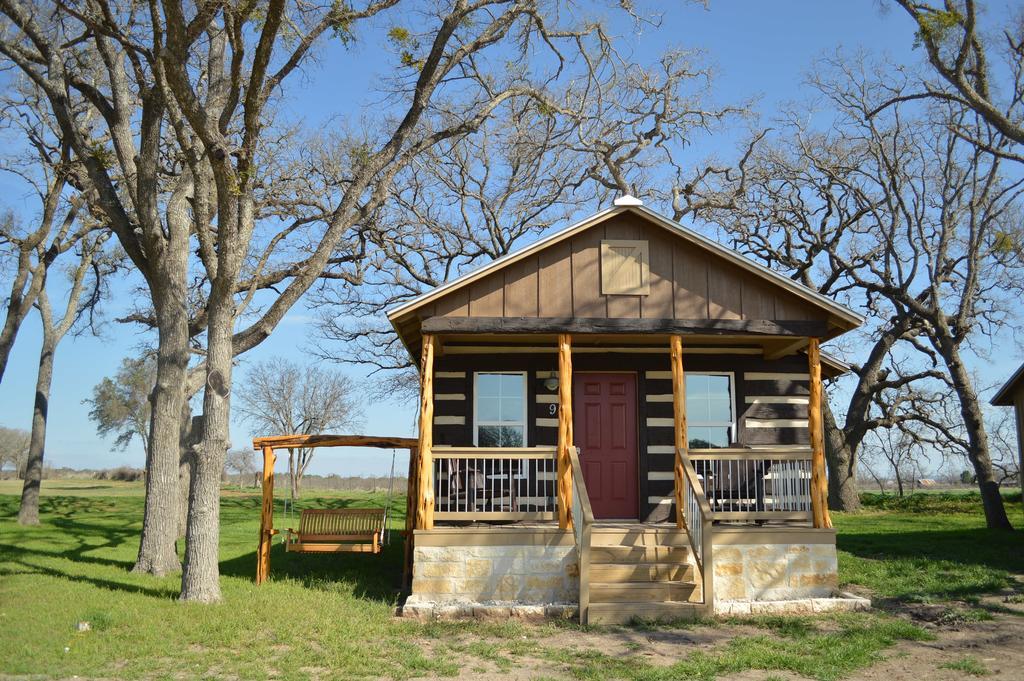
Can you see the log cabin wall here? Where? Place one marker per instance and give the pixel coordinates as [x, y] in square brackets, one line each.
[770, 401]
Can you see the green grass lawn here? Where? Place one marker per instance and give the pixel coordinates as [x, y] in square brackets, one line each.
[332, 616]
[928, 547]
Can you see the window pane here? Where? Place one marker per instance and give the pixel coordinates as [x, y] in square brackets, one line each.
[511, 410]
[489, 436]
[718, 386]
[704, 437]
[696, 385]
[511, 436]
[719, 409]
[488, 408]
[488, 385]
[500, 399]
[511, 385]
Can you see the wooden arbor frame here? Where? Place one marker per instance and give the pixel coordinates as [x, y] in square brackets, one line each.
[268, 445]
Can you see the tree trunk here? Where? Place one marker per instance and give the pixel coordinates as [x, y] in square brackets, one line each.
[191, 430]
[974, 424]
[28, 512]
[841, 458]
[157, 552]
[200, 580]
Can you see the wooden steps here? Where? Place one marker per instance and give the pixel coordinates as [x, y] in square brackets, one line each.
[640, 572]
[624, 613]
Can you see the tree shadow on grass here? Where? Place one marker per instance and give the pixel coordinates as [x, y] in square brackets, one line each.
[997, 549]
[945, 563]
[364, 575]
[28, 567]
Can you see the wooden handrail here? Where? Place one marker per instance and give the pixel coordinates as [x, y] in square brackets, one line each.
[695, 483]
[751, 454]
[446, 452]
[577, 472]
[702, 545]
[582, 527]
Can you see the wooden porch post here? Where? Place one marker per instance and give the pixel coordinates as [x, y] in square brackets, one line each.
[679, 419]
[425, 477]
[411, 507]
[266, 517]
[819, 480]
[564, 430]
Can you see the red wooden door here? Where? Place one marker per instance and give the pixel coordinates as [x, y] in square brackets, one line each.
[604, 428]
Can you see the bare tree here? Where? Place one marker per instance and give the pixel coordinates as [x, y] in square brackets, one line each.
[1005, 454]
[93, 68]
[901, 216]
[120, 405]
[44, 163]
[83, 294]
[280, 397]
[970, 66]
[243, 463]
[14, 444]
[473, 199]
[900, 454]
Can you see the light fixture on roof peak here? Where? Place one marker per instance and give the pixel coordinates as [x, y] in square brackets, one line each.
[628, 200]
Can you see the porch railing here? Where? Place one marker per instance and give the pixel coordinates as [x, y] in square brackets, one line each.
[758, 485]
[698, 516]
[495, 483]
[582, 524]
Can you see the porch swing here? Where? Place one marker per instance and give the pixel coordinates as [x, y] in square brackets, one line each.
[342, 530]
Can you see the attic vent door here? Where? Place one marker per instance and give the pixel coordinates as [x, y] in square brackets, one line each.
[624, 268]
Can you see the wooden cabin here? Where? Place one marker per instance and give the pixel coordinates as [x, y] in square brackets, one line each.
[1011, 394]
[621, 420]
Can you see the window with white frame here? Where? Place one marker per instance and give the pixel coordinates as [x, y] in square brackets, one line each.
[499, 409]
[710, 418]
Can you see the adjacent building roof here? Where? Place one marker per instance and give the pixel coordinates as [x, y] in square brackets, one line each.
[1004, 397]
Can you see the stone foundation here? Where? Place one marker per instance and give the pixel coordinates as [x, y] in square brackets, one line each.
[774, 572]
[500, 570]
[531, 574]
[429, 611]
[840, 602]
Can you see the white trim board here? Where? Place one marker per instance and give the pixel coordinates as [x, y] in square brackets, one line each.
[776, 423]
[775, 399]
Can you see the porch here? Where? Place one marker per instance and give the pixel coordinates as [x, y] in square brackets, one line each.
[516, 525]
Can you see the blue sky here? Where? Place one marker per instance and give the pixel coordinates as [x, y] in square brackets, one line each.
[757, 49]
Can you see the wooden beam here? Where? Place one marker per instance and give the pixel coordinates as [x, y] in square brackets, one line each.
[819, 479]
[583, 325]
[679, 420]
[565, 435]
[790, 346]
[266, 517]
[310, 441]
[425, 475]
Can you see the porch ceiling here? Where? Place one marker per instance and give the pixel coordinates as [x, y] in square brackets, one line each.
[539, 343]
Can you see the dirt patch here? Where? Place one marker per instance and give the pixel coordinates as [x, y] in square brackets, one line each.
[996, 645]
[965, 636]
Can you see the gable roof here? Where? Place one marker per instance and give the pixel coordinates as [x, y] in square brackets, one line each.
[848, 318]
[1004, 396]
